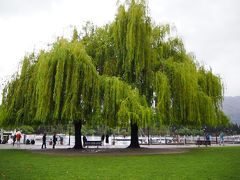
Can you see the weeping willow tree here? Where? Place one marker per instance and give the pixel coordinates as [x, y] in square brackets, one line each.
[68, 88]
[150, 60]
[129, 73]
[62, 85]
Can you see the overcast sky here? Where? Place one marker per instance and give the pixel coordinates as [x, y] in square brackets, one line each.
[209, 29]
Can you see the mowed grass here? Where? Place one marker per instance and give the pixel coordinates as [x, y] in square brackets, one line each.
[202, 163]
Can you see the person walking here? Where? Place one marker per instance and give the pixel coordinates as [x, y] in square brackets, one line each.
[102, 139]
[107, 139]
[14, 139]
[54, 140]
[18, 137]
[221, 139]
[208, 141]
[44, 138]
[84, 140]
[61, 140]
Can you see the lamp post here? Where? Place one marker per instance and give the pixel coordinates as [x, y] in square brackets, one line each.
[148, 136]
[69, 139]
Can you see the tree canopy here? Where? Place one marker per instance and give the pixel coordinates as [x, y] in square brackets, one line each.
[128, 72]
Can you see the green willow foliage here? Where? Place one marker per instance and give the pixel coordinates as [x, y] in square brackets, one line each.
[17, 107]
[148, 58]
[132, 34]
[66, 87]
[126, 72]
[162, 98]
[61, 85]
[67, 83]
[121, 103]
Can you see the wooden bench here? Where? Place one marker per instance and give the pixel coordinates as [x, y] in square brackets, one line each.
[203, 142]
[92, 143]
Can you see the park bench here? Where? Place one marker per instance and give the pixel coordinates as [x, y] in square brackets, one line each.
[203, 142]
[93, 143]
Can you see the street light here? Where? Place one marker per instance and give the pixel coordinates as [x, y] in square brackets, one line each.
[69, 139]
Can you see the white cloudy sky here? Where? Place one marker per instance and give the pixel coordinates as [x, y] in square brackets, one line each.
[209, 28]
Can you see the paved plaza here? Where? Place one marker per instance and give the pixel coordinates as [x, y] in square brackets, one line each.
[38, 146]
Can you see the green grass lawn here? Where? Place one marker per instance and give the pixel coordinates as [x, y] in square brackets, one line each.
[202, 163]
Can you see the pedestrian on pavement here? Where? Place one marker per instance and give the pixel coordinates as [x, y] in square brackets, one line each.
[14, 139]
[18, 137]
[84, 140]
[54, 140]
[107, 139]
[44, 138]
[221, 136]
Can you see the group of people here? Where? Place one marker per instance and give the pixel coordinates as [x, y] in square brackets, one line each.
[17, 137]
[221, 138]
[106, 138]
[44, 141]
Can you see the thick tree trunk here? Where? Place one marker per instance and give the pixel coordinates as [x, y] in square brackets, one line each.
[78, 133]
[134, 136]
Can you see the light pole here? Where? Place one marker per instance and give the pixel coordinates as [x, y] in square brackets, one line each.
[69, 139]
[148, 136]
